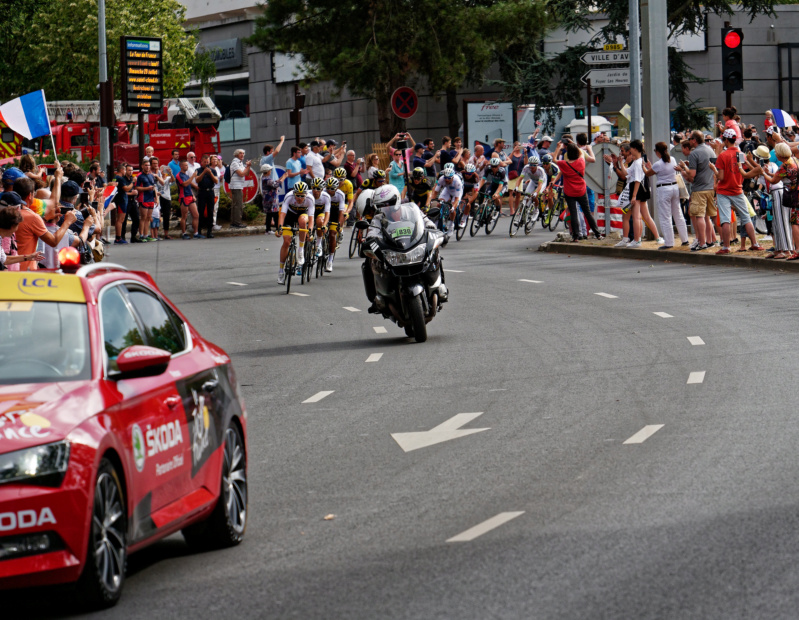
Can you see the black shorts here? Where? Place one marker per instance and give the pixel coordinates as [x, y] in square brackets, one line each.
[335, 212]
[292, 218]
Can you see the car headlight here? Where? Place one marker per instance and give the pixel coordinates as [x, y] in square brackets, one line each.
[43, 465]
[397, 259]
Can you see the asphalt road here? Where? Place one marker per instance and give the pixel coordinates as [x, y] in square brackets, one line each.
[698, 519]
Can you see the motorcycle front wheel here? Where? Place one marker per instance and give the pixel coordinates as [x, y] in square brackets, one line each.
[416, 312]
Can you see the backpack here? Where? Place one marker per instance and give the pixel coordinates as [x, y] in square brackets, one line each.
[227, 175]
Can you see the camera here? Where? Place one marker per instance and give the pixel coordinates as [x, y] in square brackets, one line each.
[84, 198]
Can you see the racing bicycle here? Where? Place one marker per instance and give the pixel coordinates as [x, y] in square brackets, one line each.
[322, 260]
[485, 214]
[290, 266]
[526, 215]
[553, 213]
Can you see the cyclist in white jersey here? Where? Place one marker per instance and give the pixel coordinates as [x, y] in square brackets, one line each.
[536, 181]
[448, 189]
[298, 208]
[321, 210]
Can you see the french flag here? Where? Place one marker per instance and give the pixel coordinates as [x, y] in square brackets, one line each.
[27, 115]
[109, 191]
[782, 118]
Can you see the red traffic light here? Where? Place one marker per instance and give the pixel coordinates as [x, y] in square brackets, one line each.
[732, 39]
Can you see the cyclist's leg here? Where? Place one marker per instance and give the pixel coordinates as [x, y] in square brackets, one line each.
[305, 224]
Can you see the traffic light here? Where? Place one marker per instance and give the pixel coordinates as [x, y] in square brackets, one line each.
[732, 63]
[579, 113]
[599, 97]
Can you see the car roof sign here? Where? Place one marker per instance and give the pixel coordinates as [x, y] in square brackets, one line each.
[40, 286]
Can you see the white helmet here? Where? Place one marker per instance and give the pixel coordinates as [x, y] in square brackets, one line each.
[470, 168]
[533, 160]
[364, 199]
[449, 166]
[449, 173]
[494, 161]
[386, 196]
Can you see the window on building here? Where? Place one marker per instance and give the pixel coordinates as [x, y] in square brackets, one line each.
[233, 101]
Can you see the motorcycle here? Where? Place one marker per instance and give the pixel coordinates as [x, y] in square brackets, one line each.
[403, 269]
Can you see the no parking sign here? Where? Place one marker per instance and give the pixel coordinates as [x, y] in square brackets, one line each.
[404, 102]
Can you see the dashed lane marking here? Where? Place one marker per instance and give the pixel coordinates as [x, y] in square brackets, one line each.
[695, 340]
[696, 377]
[351, 309]
[532, 281]
[318, 396]
[300, 294]
[644, 434]
[486, 526]
[380, 330]
[236, 283]
[374, 357]
[663, 315]
[453, 271]
[606, 295]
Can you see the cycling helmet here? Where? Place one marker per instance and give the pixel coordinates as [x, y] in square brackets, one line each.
[533, 161]
[367, 184]
[318, 184]
[379, 174]
[449, 173]
[386, 196]
[494, 162]
[449, 166]
[418, 173]
[332, 183]
[300, 189]
[546, 159]
[470, 168]
[266, 169]
[340, 173]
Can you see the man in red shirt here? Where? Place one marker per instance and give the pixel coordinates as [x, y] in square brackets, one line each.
[730, 193]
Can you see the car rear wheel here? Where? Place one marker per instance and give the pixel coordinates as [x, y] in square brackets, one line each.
[225, 527]
[100, 584]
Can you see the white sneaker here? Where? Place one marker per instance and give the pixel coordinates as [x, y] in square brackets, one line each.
[661, 241]
[301, 257]
[318, 251]
[634, 244]
[281, 277]
[766, 238]
[695, 244]
[217, 227]
[622, 244]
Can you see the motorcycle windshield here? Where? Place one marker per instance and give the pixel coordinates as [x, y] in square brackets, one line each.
[403, 226]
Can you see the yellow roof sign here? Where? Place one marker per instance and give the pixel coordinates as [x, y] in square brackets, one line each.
[40, 286]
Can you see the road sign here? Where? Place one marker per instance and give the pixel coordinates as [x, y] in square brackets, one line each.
[613, 47]
[142, 75]
[404, 102]
[607, 78]
[451, 429]
[605, 58]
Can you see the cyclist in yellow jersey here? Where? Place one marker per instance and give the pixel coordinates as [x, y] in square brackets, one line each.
[338, 213]
[345, 185]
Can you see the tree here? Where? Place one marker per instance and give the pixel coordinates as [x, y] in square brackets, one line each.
[59, 46]
[15, 15]
[521, 72]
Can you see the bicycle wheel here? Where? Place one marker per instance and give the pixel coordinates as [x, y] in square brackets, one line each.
[530, 223]
[477, 220]
[554, 219]
[354, 245]
[517, 220]
[459, 230]
[492, 217]
[289, 266]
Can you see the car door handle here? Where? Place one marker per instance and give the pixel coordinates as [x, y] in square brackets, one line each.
[172, 401]
[210, 385]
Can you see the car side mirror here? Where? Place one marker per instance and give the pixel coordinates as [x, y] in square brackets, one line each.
[141, 361]
[361, 225]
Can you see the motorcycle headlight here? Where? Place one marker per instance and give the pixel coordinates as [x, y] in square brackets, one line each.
[398, 259]
[43, 465]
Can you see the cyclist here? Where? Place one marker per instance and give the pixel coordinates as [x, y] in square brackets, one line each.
[471, 181]
[553, 178]
[449, 189]
[345, 185]
[536, 179]
[298, 208]
[321, 210]
[338, 213]
[419, 188]
[496, 178]
[376, 181]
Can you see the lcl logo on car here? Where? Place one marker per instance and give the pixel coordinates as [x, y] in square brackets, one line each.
[35, 286]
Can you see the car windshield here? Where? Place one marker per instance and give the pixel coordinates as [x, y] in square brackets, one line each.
[43, 341]
[404, 226]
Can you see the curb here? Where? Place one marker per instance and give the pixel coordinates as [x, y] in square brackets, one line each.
[686, 258]
[237, 232]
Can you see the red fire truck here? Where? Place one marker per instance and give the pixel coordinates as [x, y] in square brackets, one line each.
[186, 124]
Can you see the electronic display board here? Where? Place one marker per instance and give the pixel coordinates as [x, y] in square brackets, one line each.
[142, 74]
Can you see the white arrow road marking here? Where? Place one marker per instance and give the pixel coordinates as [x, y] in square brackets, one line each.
[663, 315]
[443, 432]
[532, 281]
[300, 294]
[606, 295]
[318, 396]
[645, 433]
[236, 283]
[485, 526]
[374, 357]
[351, 309]
[380, 330]
[695, 340]
[696, 377]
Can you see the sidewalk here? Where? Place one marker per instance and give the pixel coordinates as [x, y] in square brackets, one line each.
[648, 251]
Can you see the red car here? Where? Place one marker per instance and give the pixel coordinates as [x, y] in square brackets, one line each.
[119, 425]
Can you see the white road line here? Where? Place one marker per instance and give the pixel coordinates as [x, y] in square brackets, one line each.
[485, 526]
[696, 377]
[300, 294]
[380, 330]
[606, 295]
[374, 357]
[695, 340]
[663, 315]
[453, 271]
[351, 309]
[318, 396]
[236, 283]
[532, 281]
[644, 434]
